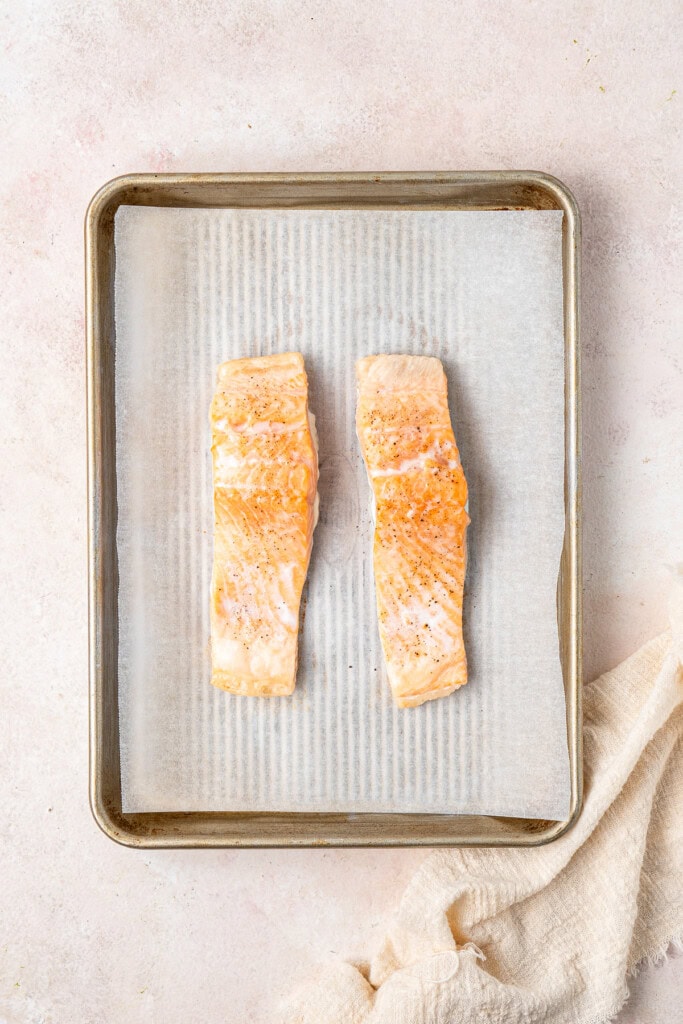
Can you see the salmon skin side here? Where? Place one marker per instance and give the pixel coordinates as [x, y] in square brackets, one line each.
[419, 549]
[265, 476]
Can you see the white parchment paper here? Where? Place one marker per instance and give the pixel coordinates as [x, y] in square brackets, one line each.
[483, 292]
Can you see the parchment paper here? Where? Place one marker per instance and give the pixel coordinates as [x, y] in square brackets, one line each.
[483, 292]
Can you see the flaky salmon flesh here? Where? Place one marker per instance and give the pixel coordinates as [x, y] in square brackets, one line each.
[265, 475]
[419, 551]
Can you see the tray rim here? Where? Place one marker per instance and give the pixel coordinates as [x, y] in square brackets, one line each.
[482, 190]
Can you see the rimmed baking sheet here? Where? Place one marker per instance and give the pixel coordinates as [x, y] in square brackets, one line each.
[482, 290]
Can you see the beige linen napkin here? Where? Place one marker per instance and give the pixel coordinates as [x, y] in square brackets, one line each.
[546, 934]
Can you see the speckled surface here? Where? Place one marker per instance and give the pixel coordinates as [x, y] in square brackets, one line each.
[590, 92]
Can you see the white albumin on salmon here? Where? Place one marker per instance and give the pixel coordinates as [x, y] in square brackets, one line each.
[265, 474]
[419, 551]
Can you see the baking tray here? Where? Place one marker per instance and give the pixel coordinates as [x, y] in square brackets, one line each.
[494, 190]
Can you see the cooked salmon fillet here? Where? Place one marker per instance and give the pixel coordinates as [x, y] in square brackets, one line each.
[265, 475]
[420, 494]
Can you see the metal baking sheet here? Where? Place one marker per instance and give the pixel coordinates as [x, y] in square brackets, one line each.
[247, 821]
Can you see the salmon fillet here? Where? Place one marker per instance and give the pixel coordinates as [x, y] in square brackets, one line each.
[265, 476]
[419, 551]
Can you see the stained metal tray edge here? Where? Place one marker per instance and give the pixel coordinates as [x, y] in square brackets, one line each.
[458, 190]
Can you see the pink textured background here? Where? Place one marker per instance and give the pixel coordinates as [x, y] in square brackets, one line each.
[90, 932]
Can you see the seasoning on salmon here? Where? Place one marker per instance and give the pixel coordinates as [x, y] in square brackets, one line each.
[265, 477]
[420, 494]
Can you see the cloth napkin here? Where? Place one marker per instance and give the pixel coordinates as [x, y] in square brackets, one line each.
[548, 934]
